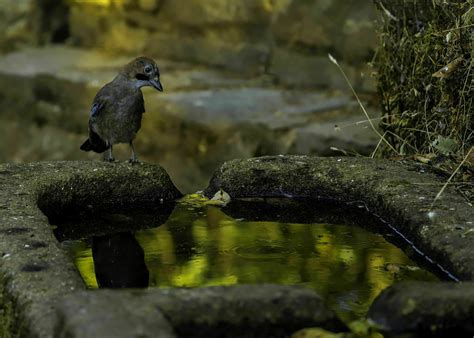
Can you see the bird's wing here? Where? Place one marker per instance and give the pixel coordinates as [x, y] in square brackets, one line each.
[95, 109]
[102, 99]
[97, 143]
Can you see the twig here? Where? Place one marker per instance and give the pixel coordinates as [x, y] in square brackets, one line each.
[333, 60]
[387, 12]
[377, 147]
[451, 177]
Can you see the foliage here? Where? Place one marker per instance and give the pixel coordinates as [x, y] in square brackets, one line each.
[424, 73]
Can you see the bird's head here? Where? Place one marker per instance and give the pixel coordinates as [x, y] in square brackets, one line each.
[143, 72]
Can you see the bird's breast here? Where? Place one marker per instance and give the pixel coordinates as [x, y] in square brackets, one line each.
[123, 120]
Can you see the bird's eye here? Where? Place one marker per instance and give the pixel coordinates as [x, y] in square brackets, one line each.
[148, 69]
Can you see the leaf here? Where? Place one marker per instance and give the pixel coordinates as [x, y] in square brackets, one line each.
[426, 158]
[445, 145]
[221, 199]
[316, 333]
[447, 70]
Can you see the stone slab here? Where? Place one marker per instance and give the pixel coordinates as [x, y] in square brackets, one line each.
[224, 311]
[425, 309]
[110, 314]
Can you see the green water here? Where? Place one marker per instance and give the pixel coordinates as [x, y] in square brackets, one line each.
[202, 245]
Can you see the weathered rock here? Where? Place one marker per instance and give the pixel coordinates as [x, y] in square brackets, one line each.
[231, 52]
[198, 13]
[149, 5]
[346, 134]
[233, 311]
[425, 309]
[50, 21]
[306, 30]
[110, 314]
[270, 107]
[125, 39]
[298, 69]
[294, 68]
[400, 193]
[85, 21]
[14, 30]
[98, 186]
[35, 272]
[347, 27]
[245, 311]
[26, 23]
[250, 37]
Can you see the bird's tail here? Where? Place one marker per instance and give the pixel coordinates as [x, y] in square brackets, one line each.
[86, 146]
[94, 143]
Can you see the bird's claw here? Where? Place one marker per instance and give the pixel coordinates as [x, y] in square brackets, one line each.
[133, 161]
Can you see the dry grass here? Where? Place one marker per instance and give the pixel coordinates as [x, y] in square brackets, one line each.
[426, 81]
[425, 75]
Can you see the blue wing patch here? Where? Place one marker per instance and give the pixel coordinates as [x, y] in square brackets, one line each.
[95, 109]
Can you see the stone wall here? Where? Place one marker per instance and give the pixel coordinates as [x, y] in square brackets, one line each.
[288, 40]
[14, 23]
[32, 22]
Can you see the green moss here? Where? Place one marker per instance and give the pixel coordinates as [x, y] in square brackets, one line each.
[423, 106]
[409, 306]
[6, 317]
[10, 325]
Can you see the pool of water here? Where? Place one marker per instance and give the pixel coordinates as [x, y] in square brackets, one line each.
[259, 242]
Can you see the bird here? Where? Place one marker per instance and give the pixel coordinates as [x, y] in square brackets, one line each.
[116, 112]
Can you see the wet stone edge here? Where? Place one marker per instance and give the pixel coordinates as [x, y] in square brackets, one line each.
[400, 194]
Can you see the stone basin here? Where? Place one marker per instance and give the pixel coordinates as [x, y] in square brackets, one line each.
[43, 294]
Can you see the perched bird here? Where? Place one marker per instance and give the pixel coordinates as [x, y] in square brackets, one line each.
[116, 112]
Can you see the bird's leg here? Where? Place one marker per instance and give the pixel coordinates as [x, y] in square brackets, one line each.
[133, 158]
[108, 155]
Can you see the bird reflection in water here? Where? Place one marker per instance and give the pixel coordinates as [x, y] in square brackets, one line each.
[119, 261]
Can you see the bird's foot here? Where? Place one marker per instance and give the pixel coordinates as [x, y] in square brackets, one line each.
[109, 159]
[133, 161]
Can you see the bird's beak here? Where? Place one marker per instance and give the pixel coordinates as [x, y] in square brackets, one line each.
[156, 84]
